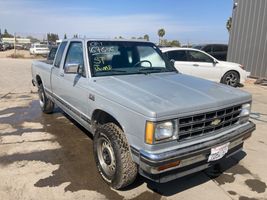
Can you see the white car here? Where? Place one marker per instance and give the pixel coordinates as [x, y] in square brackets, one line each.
[198, 63]
[39, 49]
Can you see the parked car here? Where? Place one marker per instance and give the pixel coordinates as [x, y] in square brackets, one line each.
[26, 46]
[200, 64]
[1, 46]
[144, 115]
[39, 49]
[218, 51]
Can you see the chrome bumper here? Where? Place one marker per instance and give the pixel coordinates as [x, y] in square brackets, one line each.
[192, 159]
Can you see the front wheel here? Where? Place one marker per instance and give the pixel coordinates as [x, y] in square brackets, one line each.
[112, 156]
[46, 104]
[231, 78]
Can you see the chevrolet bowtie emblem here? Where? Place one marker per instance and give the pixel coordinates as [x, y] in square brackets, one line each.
[216, 122]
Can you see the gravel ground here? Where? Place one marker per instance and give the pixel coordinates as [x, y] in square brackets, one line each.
[50, 156]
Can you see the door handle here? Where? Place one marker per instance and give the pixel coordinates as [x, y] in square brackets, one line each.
[195, 65]
[61, 74]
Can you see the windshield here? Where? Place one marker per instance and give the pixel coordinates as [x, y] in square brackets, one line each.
[198, 47]
[41, 46]
[122, 58]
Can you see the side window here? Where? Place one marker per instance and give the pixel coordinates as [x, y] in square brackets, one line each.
[208, 48]
[218, 48]
[75, 55]
[196, 56]
[225, 47]
[60, 54]
[177, 55]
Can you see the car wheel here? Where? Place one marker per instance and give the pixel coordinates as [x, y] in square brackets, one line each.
[46, 104]
[231, 78]
[112, 156]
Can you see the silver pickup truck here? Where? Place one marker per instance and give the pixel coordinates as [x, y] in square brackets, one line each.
[145, 116]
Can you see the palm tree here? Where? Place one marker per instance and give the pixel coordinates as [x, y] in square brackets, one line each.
[161, 33]
[229, 24]
[146, 37]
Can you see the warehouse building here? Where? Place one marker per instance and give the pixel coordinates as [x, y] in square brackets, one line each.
[248, 36]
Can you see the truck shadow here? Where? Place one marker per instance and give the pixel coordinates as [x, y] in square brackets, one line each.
[75, 157]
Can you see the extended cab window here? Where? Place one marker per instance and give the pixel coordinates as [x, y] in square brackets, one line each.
[177, 55]
[197, 56]
[75, 55]
[60, 54]
[207, 48]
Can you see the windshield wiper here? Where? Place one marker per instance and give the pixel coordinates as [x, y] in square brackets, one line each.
[152, 69]
[113, 70]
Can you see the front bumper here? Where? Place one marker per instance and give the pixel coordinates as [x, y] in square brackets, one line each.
[192, 158]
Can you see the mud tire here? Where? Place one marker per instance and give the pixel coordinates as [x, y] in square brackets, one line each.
[125, 169]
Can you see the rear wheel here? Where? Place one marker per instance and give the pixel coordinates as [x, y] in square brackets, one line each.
[231, 78]
[46, 104]
[112, 156]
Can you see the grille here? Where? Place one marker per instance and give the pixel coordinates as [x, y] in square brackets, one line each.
[209, 122]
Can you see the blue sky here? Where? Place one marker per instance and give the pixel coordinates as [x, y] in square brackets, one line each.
[194, 21]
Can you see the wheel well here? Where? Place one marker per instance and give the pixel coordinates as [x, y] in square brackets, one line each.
[39, 80]
[102, 117]
[231, 71]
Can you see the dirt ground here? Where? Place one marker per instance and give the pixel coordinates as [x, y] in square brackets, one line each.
[50, 156]
[20, 53]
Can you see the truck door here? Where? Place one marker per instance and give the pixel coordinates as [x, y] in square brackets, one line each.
[56, 74]
[74, 86]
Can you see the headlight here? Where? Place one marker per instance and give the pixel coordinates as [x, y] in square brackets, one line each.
[160, 131]
[245, 112]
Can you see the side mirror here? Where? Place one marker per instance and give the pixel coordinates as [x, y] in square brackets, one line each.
[172, 62]
[71, 68]
[215, 61]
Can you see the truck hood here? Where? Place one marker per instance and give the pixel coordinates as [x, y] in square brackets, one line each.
[168, 94]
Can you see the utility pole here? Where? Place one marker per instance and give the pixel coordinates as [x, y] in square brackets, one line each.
[15, 52]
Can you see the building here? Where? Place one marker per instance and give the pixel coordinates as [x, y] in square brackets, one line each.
[248, 36]
[18, 40]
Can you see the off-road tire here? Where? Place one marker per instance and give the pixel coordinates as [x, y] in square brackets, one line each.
[231, 78]
[125, 169]
[46, 104]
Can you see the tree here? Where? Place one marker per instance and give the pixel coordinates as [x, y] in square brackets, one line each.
[133, 38]
[174, 43]
[6, 34]
[146, 37]
[65, 36]
[229, 24]
[52, 37]
[161, 33]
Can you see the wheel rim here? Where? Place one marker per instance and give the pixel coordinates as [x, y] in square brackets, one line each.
[41, 97]
[106, 157]
[231, 79]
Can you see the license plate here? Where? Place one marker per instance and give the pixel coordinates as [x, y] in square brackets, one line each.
[218, 152]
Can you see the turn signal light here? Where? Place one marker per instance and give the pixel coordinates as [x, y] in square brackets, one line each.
[149, 132]
[169, 165]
